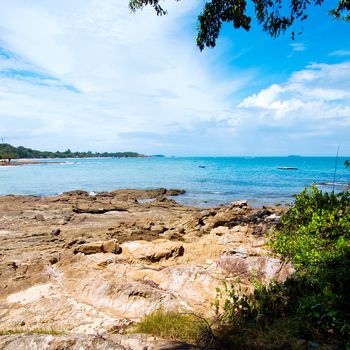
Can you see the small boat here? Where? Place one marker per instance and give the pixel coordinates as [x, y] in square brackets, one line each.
[201, 166]
[287, 168]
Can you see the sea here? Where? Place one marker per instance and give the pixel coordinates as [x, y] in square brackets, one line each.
[208, 181]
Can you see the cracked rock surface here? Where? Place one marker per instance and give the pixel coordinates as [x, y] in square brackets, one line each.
[91, 265]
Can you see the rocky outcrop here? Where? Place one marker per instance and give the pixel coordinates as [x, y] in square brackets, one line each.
[93, 342]
[110, 246]
[153, 251]
[83, 263]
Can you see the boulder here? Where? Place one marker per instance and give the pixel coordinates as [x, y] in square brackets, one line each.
[94, 207]
[239, 204]
[154, 251]
[220, 230]
[110, 246]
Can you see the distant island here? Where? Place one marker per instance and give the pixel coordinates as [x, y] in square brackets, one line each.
[9, 152]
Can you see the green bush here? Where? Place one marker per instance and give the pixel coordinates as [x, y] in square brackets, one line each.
[315, 302]
[315, 237]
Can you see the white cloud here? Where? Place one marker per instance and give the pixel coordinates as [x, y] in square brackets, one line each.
[298, 47]
[340, 53]
[96, 71]
[88, 74]
[313, 104]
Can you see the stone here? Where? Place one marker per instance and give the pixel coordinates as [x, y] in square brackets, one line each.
[39, 217]
[158, 228]
[154, 251]
[90, 248]
[220, 230]
[53, 260]
[56, 232]
[93, 207]
[110, 246]
[239, 204]
[50, 342]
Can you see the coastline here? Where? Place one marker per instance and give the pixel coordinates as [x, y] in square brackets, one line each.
[20, 162]
[124, 253]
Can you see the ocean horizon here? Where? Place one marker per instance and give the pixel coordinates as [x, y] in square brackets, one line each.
[208, 181]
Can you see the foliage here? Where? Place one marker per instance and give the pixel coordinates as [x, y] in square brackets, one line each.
[310, 309]
[315, 236]
[172, 325]
[23, 152]
[7, 155]
[275, 16]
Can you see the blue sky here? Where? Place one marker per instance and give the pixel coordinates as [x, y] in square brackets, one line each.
[90, 75]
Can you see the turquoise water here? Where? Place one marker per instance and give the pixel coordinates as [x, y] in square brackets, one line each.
[208, 181]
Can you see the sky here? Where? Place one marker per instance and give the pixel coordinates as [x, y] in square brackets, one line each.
[91, 75]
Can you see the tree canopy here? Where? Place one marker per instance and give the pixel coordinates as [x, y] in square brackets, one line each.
[23, 152]
[275, 16]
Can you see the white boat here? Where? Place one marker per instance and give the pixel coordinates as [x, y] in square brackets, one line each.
[287, 168]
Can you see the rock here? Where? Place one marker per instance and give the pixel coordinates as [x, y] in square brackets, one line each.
[76, 193]
[110, 246]
[50, 342]
[93, 342]
[93, 207]
[53, 260]
[220, 230]
[273, 218]
[39, 217]
[154, 251]
[90, 248]
[263, 267]
[56, 232]
[158, 228]
[239, 204]
[174, 192]
[75, 241]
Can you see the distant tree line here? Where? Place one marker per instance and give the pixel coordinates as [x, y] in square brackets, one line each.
[9, 152]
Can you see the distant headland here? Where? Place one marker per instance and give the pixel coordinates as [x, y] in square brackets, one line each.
[9, 152]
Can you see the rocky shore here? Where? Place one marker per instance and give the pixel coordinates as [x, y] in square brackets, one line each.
[76, 270]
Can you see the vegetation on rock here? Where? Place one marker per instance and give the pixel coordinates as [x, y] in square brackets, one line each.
[172, 325]
[310, 309]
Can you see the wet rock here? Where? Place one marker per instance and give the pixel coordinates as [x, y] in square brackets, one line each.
[239, 204]
[174, 192]
[76, 193]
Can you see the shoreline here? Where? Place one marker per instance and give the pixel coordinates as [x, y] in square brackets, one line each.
[97, 261]
[20, 162]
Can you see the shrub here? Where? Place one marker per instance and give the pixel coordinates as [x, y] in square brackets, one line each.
[172, 325]
[315, 301]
